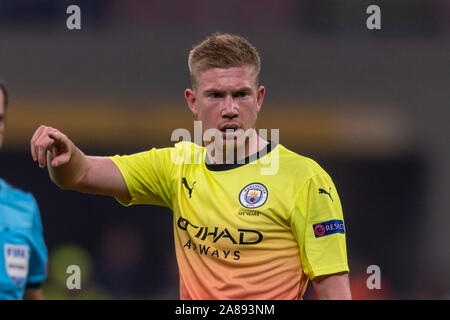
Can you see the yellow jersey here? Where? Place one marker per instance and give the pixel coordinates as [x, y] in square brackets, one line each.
[241, 234]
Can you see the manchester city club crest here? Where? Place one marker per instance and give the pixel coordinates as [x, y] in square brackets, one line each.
[253, 195]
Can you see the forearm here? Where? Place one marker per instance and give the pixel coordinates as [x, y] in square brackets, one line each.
[333, 287]
[69, 168]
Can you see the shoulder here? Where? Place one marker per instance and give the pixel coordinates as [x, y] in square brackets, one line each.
[11, 194]
[18, 207]
[187, 147]
[303, 166]
[185, 152]
[182, 149]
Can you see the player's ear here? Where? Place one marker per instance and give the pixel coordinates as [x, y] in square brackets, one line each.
[260, 96]
[189, 94]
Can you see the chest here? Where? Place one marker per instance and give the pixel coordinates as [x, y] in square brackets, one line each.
[232, 208]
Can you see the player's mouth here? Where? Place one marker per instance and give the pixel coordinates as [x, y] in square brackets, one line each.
[229, 130]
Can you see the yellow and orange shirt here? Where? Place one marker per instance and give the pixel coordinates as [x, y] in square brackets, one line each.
[242, 232]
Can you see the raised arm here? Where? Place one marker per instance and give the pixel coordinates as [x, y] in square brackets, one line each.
[69, 168]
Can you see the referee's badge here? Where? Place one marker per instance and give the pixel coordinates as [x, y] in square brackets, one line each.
[16, 263]
[253, 195]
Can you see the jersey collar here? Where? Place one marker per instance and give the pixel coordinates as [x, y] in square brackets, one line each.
[228, 166]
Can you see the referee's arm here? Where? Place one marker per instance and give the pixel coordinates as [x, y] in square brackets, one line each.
[332, 287]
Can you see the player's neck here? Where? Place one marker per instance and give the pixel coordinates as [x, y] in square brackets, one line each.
[235, 154]
[254, 148]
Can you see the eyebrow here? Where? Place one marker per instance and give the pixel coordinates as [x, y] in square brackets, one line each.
[214, 90]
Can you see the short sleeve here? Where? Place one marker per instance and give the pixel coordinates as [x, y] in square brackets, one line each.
[146, 175]
[318, 226]
[37, 272]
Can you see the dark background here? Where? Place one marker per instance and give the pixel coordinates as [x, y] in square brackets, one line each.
[371, 107]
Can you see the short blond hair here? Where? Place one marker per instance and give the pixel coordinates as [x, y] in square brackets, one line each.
[222, 51]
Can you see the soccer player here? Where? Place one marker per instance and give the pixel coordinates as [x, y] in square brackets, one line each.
[23, 254]
[239, 233]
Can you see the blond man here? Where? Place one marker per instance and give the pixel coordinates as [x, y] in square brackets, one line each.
[239, 233]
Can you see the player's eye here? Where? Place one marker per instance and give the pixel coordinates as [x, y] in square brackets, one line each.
[215, 95]
[240, 94]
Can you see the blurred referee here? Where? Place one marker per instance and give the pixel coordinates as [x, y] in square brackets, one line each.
[23, 254]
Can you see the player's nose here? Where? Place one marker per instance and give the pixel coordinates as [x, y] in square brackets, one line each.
[230, 108]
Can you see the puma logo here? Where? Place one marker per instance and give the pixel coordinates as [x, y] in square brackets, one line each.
[184, 182]
[328, 193]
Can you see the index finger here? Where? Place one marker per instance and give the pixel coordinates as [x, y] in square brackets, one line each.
[57, 136]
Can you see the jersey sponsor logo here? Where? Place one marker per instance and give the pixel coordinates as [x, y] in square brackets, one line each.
[243, 237]
[322, 191]
[328, 227]
[253, 195]
[184, 182]
[208, 250]
[16, 263]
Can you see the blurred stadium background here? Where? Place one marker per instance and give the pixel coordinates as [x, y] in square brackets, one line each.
[372, 107]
